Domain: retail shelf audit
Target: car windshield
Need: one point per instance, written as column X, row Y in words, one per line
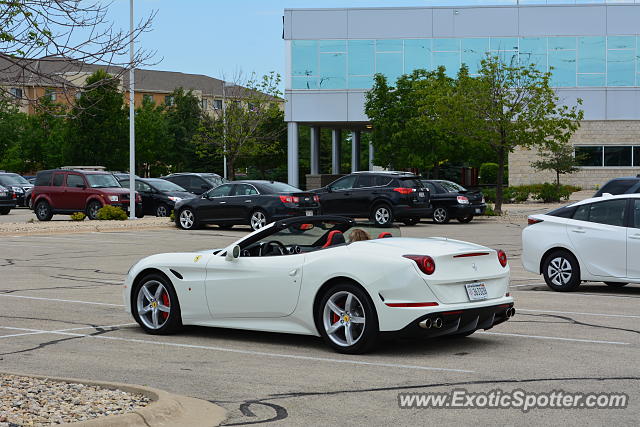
column 8, row 180
column 164, row 185
column 212, row 179
column 20, row 179
column 102, row 181
column 280, row 187
column 452, row 187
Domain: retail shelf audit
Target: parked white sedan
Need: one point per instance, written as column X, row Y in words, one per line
column 316, row 276
column 595, row 240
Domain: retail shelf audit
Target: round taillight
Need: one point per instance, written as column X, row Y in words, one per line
column 502, row 257
column 426, row 264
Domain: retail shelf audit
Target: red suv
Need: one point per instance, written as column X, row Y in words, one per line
column 62, row 191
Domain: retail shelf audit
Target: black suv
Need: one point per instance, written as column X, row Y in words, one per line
column 381, row 196
column 626, row 185
column 196, row 183
column 18, row 184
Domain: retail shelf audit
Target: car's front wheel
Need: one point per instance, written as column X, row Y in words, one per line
column 93, row 208
column 155, row 305
column 187, row 219
column 441, row 215
column 382, row 215
column 561, row 271
column 5, row 211
column 43, row 211
column 347, row 320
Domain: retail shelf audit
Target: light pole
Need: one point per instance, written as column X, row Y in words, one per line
column 132, row 126
column 224, row 124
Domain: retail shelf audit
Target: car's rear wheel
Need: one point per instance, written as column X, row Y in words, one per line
column 346, row 319
column 43, row 210
column 465, row 219
column 258, row 219
column 92, row 209
column 382, row 214
column 411, row 221
column 155, row 305
column 5, row 211
column 441, row 215
column 615, row 284
column 561, row 271
column 162, row 210
column 187, row 219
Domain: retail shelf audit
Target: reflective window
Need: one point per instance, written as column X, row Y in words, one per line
column 361, row 57
column 617, row 156
column 344, row 183
column 417, row 55
column 636, row 156
column 449, row 60
column 636, row 214
column 589, row 156
column 244, row 190
column 592, row 52
column 220, row 191
column 389, row 59
column 610, row 212
column 58, row 180
column 620, row 67
column 473, row 52
column 304, row 57
column 75, row 180
column 333, row 70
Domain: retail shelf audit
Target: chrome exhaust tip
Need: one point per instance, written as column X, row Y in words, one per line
column 425, row 324
column 437, row 323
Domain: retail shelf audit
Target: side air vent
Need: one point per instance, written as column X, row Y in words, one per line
column 175, row 273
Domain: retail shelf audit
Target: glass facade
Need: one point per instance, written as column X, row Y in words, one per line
column 576, row 61
column 608, row 155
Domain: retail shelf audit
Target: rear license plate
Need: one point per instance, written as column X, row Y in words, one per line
column 309, row 213
column 476, row 291
column 421, row 194
column 478, row 210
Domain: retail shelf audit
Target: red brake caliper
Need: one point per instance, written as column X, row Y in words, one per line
column 166, row 303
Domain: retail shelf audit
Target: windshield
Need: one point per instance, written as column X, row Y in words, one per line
column 280, row 187
column 452, row 187
column 213, row 179
column 8, row 180
column 102, row 181
column 163, row 185
column 20, row 179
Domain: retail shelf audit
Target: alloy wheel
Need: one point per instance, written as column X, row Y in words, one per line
column 382, row 215
column 94, row 207
column 161, row 211
column 440, row 215
column 344, row 319
column 43, row 210
column 559, row 271
column 187, row 219
column 258, row 220
column 153, row 304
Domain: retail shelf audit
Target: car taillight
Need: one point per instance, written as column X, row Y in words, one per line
column 14, row 196
column 403, row 190
column 316, row 198
column 426, row 264
column 463, row 200
column 532, row 221
column 502, row 257
column 289, row 199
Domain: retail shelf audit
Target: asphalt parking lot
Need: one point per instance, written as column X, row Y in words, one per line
column 61, row 314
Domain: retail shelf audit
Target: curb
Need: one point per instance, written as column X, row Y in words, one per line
column 165, row 409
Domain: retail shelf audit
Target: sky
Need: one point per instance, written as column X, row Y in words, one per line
column 221, row 38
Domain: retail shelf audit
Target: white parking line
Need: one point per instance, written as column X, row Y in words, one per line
column 247, row 352
column 62, row 300
column 39, row 331
column 544, row 337
column 628, row 316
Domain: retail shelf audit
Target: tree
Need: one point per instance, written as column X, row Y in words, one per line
column 184, row 117
column 12, row 123
column 98, row 127
column 152, row 139
column 70, row 34
column 511, row 106
column 243, row 130
column 557, row 157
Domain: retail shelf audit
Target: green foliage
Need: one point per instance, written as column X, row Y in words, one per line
column 78, row 216
column 172, row 216
column 183, row 118
column 488, row 173
column 557, row 157
column 550, row 193
column 109, row 212
column 153, row 139
column 489, row 211
column 522, row 193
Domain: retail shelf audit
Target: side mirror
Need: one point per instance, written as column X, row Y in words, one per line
column 233, row 254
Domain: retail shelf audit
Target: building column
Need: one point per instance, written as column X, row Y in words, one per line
column 371, row 156
column 336, row 151
column 355, row 151
column 315, row 150
column 292, row 154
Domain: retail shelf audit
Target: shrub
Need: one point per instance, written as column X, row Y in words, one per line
column 552, row 193
column 489, row 173
column 108, row 212
column 172, row 216
column 490, row 212
column 78, row 216
column 489, row 195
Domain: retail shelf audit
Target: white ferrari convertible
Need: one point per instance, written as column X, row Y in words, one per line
column 325, row 276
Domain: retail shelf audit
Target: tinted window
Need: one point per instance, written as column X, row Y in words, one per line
column 589, row 156
column 75, row 181
column 278, row 187
column 636, row 214
column 619, row 186
column 610, row 212
column 43, row 178
column 221, row 191
column 364, row 181
column 452, row 187
column 344, row 183
column 19, row 179
column 140, row 186
column 8, row 180
column 244, row 190
column 58, row 179
column 213, row 179
column 103, row 181
column 430, row 186
column 164, row 185
column 381, row 181
column 198, row 183
column 410, row 183
column 563, row 212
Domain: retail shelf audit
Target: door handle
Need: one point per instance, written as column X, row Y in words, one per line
column 247, row 201
column 293, row 272
column 222, row 203
column 578, row 230
column 635, row 237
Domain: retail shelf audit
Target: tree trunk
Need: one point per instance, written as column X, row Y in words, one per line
column 558, row 179
column 500, row 179
column 230, row 169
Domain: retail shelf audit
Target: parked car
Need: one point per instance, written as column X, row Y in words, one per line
column 626, row 185
column 18, row 184
column 384, row 197
column 62, row 191
column 299, row 275
column 120, row 176
column 595, row 240
column 7, row 200
column 256, row 203
column 196, row 183
column 159, row 196
column 451, row 200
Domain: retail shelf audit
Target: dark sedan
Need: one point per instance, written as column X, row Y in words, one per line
column 18, row 184
column 450, row 200
column 256, row 203
column 158, row 195
column 7, row 200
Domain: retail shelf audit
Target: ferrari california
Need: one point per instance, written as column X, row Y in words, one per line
column 326, row 276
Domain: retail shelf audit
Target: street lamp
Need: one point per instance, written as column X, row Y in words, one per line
column 224, row 123
column 132, row 127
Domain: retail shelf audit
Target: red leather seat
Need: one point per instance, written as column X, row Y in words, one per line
column 335, row 237
column 384, row 234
